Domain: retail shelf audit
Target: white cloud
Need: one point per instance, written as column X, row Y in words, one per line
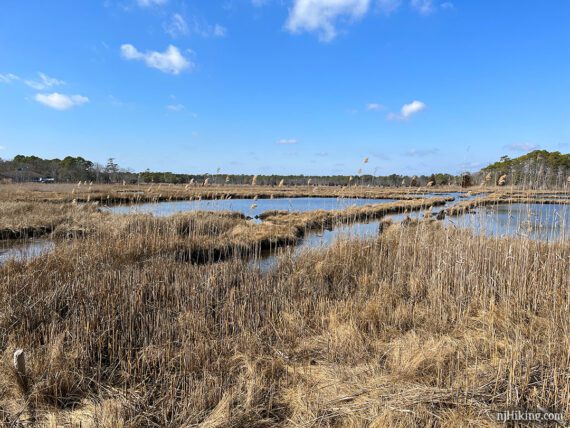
column 177, row 26
column 521, row 147
column 8, row 78
column 412, row 108
column 407, row 111
column 2, row 148
column 170, row 61
column 148, row 3
column 321, row 16
column 374, row 107
column 287, row 141
column 44, row 82
column 175, row 107
column 60, row 101
column 447, row 5
column 425, row 7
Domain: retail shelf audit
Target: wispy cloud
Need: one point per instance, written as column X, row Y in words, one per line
column 44, row 82
column 204, row 29
column 219, row 31
column 381, row 156
column 407, row 111
column 421, row 153
column 149, row 3
column 60, row 101
column 170, row 61
column 287, row 141
column 8, row 78
column 175, row 107
column 425, row 7
column 375, row 107
column 322, row 16
column 521, row 147
column 2, row 148
column 471, row 166
column 388, row 7
column 176, row 26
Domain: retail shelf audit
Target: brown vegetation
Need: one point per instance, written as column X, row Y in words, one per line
column 118, row 194
column 128, row 326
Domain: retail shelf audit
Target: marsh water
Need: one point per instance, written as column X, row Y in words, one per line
column 24, row 250
column 547, row 222
column 248, row 207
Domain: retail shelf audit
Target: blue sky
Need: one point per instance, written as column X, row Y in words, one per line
column 285, row 86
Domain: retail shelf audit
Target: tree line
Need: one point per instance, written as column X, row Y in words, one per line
column 537, row 169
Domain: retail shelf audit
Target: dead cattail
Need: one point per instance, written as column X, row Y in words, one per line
column 227, row 179
column 310, row 180
column 191, row 181
column 403, row 182
column 488, row 178
column 206, row 181
column 430, row 184
column 502, row 180
column 254, row 180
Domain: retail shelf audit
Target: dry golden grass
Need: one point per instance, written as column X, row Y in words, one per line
column 196, row 236
column 119, row 194
column 127, row 326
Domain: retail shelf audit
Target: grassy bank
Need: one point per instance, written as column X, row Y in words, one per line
column 113, row 194
column 21, row 220
column 422, row 326
column 499, row 198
